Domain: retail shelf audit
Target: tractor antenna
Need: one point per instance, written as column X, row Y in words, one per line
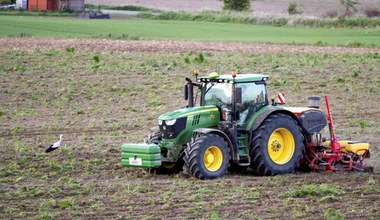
column 217, row 68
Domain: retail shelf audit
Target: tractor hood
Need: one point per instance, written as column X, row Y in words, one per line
column 181, row 123
column 211, row 110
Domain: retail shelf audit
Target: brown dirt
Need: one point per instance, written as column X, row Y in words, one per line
column 85, row 179
column 170, row 46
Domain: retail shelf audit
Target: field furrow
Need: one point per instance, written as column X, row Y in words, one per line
column 105, row 93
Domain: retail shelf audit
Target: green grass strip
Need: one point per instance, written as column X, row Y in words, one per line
column 184, row 30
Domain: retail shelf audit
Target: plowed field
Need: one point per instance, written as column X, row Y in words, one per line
column 102, row 93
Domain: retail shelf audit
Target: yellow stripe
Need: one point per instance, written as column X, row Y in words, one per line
column 193, row 113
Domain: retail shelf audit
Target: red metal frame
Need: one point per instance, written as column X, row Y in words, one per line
column 335, row 146
column 334, row 159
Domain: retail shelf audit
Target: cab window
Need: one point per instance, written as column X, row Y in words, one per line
column 253, row 98
column 218, row 94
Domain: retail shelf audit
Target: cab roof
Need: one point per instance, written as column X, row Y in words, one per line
column 240, row 78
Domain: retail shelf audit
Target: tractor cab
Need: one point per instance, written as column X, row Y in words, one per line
column 237, row 97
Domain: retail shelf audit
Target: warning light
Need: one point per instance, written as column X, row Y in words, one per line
column 213, row 75
column 196, row 72
column 234, row 74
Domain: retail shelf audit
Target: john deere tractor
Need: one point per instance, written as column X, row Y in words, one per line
column 229, row 124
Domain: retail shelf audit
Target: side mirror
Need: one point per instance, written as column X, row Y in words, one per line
column 238, row 96
column 186, row 91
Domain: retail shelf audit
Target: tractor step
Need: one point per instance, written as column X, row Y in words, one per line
column 244, row 164
column 244, row 161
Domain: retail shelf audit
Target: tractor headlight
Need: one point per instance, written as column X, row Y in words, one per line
column 170, row 122
column 171, row 128
column 159, row 122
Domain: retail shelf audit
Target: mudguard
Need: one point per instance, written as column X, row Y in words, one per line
column 268, row 111
column 233, row 151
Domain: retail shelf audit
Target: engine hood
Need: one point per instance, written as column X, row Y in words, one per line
column 180, row 113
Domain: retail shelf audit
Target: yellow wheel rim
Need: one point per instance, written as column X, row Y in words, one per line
column 281, row 146
column 213, row 158
column 169, row 165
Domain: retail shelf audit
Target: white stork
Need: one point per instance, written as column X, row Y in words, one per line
column 55, row 145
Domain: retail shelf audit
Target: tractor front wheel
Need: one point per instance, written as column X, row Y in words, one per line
column 168, row 168
column 277, row 146
column 207, row 157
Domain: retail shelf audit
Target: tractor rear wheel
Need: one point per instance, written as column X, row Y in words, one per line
column 277, row 146
column 207, row 157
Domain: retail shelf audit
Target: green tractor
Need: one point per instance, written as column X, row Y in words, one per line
column 229, row 124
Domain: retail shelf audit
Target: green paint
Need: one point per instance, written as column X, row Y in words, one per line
column 187, row 112
column 197, row 117
column 254, row 117
column 141, row 155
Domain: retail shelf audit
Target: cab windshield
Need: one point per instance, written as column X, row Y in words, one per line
column 218, row 94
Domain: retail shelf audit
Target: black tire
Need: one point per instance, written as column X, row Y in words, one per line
column 195, row 153
column 268, row 159
column 168, row 168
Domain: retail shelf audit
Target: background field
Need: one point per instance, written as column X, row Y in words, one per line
column 308, row 7
column 186, row 30
column 103, row 98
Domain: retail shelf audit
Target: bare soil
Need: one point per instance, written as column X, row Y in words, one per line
column 171, row 46
column 109, row 92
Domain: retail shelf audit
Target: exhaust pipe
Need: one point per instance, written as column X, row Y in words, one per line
column 189, row 96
